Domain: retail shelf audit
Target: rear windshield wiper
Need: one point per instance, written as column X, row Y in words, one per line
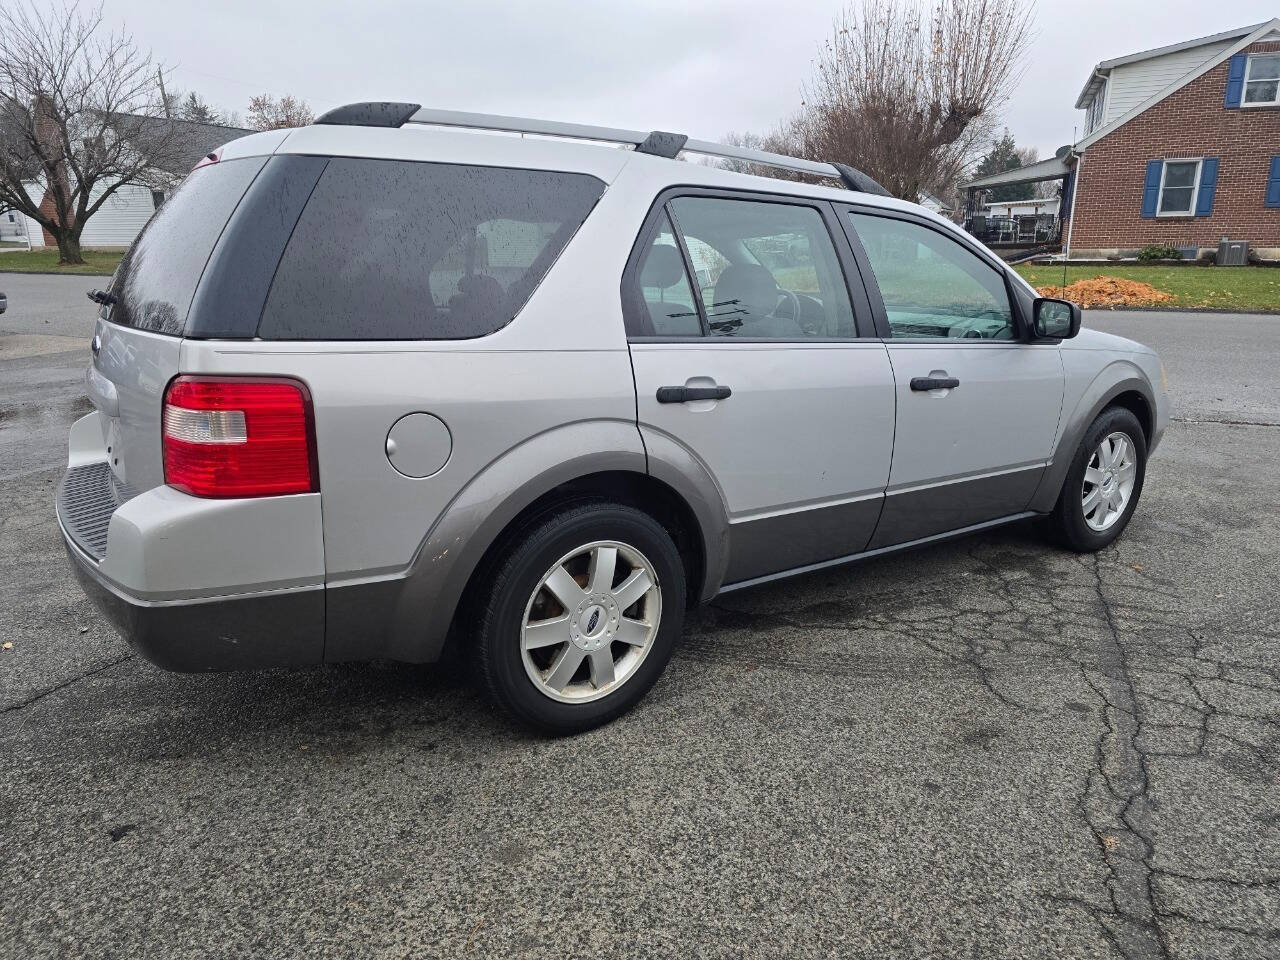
column 103, row 297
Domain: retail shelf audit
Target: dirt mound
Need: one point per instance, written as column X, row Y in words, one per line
column 1109, row 292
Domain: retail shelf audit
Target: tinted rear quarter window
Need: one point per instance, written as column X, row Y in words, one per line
column 403, row 250
column 157, row 277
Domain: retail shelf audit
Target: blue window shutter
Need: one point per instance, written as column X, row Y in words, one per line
column 1273, row 183
column 1151, row 189
column 1208, row 184
column 1235, row 81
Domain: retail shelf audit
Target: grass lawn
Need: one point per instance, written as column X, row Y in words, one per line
column 1228, row 288
column 45, row 260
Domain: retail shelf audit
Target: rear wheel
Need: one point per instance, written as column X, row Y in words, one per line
column 1103, row 484
column 581, row 616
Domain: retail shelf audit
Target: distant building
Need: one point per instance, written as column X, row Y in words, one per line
column 934, row 205
column 126, row 212
column 1181, row 147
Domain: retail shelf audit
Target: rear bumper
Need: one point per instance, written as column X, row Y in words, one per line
column 280, row 628
column 195, row 584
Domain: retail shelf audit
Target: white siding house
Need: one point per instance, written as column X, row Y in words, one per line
column 17, row 227
column 117, row 222
column 1117, row 86
column 120, row 218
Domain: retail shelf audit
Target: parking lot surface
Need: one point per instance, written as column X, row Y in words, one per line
column 988, row 748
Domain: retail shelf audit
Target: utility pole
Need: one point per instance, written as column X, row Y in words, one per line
column 164, row 97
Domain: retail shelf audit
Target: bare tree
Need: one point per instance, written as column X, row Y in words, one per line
column 779, row 141
column 81, row 115
column 268, row 113
column 909, row 95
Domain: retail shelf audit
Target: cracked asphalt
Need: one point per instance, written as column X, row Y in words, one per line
column 984, row 749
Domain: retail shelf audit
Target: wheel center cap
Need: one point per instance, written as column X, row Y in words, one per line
column 1108, row 479
column 594, row 622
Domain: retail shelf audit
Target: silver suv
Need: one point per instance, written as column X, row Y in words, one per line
column 386, row 381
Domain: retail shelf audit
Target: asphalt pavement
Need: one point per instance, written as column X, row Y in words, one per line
column 984, row 749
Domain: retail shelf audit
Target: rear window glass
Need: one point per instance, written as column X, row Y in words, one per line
column 157, row 277
column 402, row 250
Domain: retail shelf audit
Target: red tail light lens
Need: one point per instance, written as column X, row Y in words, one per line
column 239, row 437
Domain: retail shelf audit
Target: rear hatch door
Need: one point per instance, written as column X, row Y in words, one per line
column 138, row 340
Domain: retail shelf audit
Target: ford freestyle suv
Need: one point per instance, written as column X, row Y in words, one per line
column 390, row 379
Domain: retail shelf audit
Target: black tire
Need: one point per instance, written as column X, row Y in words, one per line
column 501, row 610
column 1067, row 523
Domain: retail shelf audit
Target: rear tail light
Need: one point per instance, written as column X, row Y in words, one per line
column 239, row 437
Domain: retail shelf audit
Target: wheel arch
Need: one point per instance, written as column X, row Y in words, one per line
column 1120, row 384
column 409, row 616
column 1137, row 404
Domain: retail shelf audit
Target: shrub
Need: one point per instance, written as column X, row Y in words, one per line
column 1159, row 252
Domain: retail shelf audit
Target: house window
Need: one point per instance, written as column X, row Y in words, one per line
column 157, row 198
column 1178, row 184
column 1262, row 81
column 1093, row 116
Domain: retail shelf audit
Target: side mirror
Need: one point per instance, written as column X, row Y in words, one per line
column 1055, row 319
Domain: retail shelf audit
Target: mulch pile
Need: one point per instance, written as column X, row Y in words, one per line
column 1109, row 292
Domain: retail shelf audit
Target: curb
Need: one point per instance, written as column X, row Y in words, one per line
column 48, row 273
column 1167, row 309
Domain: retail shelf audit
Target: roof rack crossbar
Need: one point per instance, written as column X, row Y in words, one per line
column 762, row 157
column 543, row 128
column 655, row 142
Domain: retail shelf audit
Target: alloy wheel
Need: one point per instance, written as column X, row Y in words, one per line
column 1109, row 479
column 590, row 622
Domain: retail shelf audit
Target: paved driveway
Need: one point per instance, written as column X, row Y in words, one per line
column 983, row 749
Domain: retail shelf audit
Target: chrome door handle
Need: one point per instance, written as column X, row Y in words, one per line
column 934, row 383
column 686, row 394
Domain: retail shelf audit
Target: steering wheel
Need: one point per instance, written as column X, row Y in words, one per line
column 785, row 294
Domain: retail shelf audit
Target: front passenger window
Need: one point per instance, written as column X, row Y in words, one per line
column 931, row 285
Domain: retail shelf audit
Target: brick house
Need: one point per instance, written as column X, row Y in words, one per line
column 1181, row 147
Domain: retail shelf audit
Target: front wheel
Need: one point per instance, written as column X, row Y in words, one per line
column 1103, row 484
column 581, row 616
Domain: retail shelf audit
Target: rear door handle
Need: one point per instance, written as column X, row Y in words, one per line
column 934, row 383
column 686, row 394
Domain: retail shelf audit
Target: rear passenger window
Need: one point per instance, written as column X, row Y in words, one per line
column 764, row 270
column 398, row 250
column 668, row 297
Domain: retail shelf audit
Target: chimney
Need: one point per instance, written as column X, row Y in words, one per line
column 52, row 146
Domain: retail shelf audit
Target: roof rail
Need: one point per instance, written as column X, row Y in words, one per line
column 378, row 113
column 655, row 142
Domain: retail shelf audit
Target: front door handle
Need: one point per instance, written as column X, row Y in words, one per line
column 934, row 383
column 686, row 394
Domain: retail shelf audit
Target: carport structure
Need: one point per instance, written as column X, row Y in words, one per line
column 1060, row 167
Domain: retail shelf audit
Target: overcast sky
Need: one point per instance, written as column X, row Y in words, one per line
column 701, row 67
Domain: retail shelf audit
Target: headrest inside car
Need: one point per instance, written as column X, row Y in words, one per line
column 663, row 267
